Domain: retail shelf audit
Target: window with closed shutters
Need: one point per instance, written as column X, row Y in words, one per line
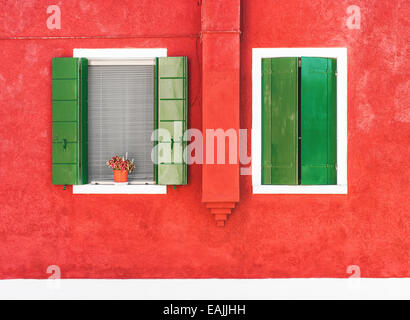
column 299, row 90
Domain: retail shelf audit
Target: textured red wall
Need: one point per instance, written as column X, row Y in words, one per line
column 173, row 235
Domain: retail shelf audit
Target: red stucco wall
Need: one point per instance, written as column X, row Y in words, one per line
column 174, row 235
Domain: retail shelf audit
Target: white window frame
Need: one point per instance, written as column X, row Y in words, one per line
column 127, row 54
column 341, row 55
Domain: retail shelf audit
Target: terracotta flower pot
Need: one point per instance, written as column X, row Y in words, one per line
column 120, row 175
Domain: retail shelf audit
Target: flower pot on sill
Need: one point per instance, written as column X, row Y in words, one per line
column 120, row 175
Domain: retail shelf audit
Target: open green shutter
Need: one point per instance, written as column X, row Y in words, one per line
column 318, row 117
column 172, row 117
column 280, row 121
column 70, row 136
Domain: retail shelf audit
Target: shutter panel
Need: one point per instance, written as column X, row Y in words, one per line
column 172, row 118
column 70, row 135
column 280, row 121
column 318, row 117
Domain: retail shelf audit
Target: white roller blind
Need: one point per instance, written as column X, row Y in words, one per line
column 120, row 119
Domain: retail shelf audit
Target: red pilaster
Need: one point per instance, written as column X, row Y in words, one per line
column 220, row 100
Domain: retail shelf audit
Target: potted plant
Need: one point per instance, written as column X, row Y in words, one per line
column 120, row 167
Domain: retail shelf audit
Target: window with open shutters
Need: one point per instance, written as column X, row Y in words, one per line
column 299, row 121
column 107, row 107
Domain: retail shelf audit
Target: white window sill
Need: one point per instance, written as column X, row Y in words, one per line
column 281, row 189
column 119, row 189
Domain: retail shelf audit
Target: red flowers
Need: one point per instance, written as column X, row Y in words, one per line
column 119, row 163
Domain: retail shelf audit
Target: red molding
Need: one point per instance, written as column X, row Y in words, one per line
column 220, row 100
column 221, row 211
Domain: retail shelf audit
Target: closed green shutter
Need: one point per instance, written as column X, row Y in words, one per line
column 70, row 91
column 280, row 121
column 173, row 118
column 318, row 117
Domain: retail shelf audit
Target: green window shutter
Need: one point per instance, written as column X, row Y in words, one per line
column 318, row 121
column 280, row 121
column 70, row 136
column 173, row 117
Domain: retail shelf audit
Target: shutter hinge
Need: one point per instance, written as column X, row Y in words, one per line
column 335, row 74
column 299, row 62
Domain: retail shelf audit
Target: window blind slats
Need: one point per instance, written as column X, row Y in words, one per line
column 120, row 119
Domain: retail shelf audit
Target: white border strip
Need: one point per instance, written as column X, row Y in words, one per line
column 120, row 54
column 341, row 55
column 210, row 289
column 299, row 189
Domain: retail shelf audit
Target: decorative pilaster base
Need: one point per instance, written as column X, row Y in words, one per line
column 221, row 211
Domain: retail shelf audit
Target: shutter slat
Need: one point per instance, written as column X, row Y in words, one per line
column 172, row 117
column 280, row 116
column 69, row 151
column 84, row 121
column 318, row 127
